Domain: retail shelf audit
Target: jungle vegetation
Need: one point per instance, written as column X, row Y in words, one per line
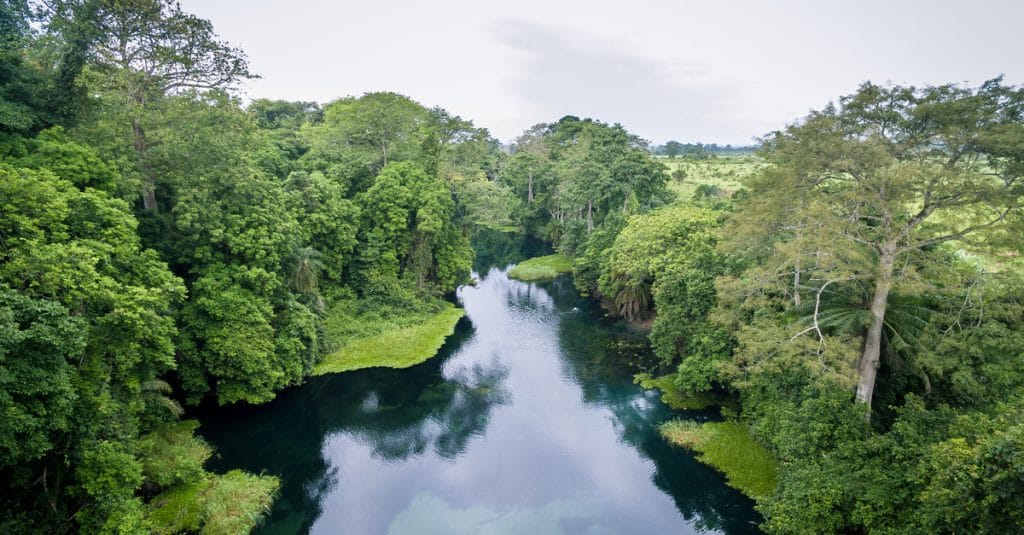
column 856, row 285
column 161, row 244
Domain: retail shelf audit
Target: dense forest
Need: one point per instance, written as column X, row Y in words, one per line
column 162, row 244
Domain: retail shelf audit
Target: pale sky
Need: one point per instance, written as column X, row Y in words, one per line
column 711, row 71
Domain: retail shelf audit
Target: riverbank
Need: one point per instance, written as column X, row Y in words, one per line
column 729, row 448
column 536, row 394
column 397, row 343
column 541, row 268
column 675, row 397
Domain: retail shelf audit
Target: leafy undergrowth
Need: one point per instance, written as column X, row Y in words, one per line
column 541, row 268
column 729, row 448
column 395, row 342
column 673, row 396
column 193, row 499
column 226, row 504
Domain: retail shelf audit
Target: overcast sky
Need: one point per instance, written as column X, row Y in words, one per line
column 712, row 71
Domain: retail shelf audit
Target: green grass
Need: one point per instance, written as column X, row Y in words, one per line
column 234, row 502
column 395, row 345
column 729, row 448
column 673, row 396
column 541, row 267
column 722, row 172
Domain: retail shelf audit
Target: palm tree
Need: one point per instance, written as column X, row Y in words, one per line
column 307, row 269
column 158, row 391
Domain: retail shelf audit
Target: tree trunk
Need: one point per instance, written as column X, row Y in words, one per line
column 148, row 180
column 529, row 188
column 870, row 360
column 590, row 216
column 796, row 282
column 796, row 270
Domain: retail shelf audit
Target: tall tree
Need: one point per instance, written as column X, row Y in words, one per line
column 893, row 172
column 144, row 50
column 360, row 136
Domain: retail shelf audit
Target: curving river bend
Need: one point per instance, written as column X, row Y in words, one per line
column 526, row 422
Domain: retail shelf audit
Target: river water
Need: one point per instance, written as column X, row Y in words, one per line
column 527, row 422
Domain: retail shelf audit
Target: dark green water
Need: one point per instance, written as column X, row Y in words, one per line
column 526, row 422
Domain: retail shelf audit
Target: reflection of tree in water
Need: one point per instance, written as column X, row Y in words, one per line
column 397, row 413
column 445, row 415
column 499, row 249
column 595, row 356
column 526, row 297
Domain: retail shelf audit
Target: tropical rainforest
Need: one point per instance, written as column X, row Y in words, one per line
column 162, row 243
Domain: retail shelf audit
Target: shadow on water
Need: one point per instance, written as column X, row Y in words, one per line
column 496, row 249
column 526, row 422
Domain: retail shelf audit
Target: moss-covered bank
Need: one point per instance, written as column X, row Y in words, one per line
column 395, row 345
column 728, row 447
column 541, row 268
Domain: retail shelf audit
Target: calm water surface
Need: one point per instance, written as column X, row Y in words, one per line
column 527, row 422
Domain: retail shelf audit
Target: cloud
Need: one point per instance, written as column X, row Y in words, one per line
column 559, row 72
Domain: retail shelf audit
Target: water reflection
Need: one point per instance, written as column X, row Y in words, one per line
column 527, row 422
column 386, row 415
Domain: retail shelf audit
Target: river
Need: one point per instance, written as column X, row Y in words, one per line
column 526, row 422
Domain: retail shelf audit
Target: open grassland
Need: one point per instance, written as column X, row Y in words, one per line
column 728, row 447
column 722, row 172
column 541, row 268
column 394, row 343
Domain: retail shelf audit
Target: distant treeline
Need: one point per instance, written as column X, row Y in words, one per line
column 699, row 151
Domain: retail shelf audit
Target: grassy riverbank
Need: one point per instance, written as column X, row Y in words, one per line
column 541, row 268
column 396, row 342
column 728, row 447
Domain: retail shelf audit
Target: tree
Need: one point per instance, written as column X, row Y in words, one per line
column 407, row 231
column 86, row 319
column 328, row 222
column 585, row 171
column 360, row 136
column 144, row 50
column 892, row 172
column 673, row 149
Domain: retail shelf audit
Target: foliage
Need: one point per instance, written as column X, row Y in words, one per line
column 141, row 51
column 676, row 237
column 187, row 498
column 98, row 305
column 575, row 173
column 227, row 504
column 853, row 283
column 250, row 222
column 39, row 342
column 953, row 473
column 869, row 245
column 407, row 231
column 359, row 136
column 863, row 191
column 173, row 455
